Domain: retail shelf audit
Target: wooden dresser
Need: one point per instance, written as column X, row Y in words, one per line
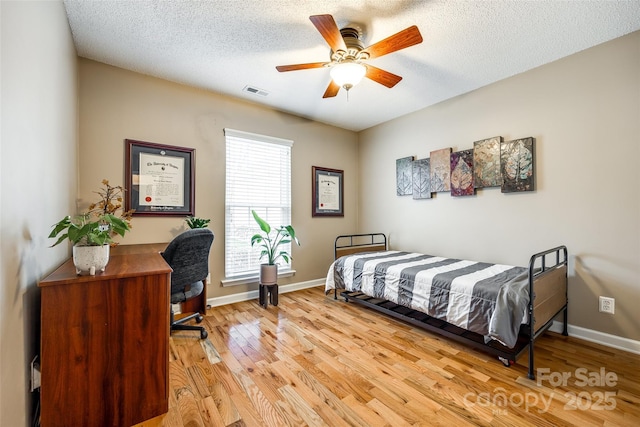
column 105, row 343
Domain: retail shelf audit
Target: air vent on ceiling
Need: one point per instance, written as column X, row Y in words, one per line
column 255, row 90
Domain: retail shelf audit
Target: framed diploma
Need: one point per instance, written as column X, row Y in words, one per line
column 159, row 179
column 327, row 189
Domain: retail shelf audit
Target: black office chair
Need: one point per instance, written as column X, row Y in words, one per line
column 188, row 255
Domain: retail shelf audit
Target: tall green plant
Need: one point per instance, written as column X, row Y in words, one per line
column 271, row 238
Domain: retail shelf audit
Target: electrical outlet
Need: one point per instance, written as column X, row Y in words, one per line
column 607, row 305
column 35, row 374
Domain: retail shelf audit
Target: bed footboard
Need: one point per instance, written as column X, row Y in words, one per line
column 547, row 294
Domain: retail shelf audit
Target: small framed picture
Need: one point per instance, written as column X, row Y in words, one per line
column 160, row 179
column 327, row 188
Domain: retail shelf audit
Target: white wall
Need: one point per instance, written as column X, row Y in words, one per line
column 38, row 186
column 584, row 112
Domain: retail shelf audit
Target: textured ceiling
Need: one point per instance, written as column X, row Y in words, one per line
column 225, row 45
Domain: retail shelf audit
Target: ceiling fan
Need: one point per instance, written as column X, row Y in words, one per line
column 348, row 55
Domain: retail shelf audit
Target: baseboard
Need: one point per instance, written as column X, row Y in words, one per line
column 603, row 338
column 246, row 296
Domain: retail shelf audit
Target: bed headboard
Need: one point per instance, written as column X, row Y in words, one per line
column 348, row 244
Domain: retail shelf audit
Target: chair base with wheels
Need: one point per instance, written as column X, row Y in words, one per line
column 178, row 325
column 185, row 294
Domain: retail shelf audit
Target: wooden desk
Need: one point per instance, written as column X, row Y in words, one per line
column 105, row 343
column 197, row 304
column 142, row 248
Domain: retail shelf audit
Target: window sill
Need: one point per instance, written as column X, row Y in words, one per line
column 250, row 280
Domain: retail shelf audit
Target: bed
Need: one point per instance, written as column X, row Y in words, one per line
column 484, row 305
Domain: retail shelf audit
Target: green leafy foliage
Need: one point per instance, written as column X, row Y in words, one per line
column 270, row 242
column 81, row 230
column 99, row 225
column 194, row 222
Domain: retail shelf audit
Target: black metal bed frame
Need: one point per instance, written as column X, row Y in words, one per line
column 538, row 267
column 373, row 239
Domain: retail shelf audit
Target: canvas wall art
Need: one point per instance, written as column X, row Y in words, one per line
column 462, row 173
column 440, row 170
column 486, row 163
column 517, row 165
column 404, row 176
column 422, row 179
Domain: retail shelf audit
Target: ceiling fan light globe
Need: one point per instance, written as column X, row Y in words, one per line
column 347, row 74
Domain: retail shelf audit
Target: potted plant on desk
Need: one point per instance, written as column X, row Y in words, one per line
column 92, row 232
column 270, row 244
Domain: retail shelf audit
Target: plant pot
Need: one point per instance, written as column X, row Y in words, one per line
column 90, row 259
column 268, row 274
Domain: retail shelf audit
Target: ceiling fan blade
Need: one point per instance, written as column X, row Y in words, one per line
column 295, row 67
column 383, row 77
column 405, row 38
column 332, row 90
column 327, row 26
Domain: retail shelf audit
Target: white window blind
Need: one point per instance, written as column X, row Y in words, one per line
column 258, row 177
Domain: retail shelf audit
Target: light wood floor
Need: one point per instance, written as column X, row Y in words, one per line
column 319, row 362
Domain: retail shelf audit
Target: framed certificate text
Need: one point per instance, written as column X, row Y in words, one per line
column 159, row 179
column 327, row 191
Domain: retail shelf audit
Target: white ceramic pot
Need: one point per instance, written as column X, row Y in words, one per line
column 268, row 274
column 90, row 259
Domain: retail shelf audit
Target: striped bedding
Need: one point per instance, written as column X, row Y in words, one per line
column 489, row 299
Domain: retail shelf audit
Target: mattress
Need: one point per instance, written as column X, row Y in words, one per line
column 488, row 299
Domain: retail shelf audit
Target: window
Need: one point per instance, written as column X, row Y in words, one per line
column 258, row 177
